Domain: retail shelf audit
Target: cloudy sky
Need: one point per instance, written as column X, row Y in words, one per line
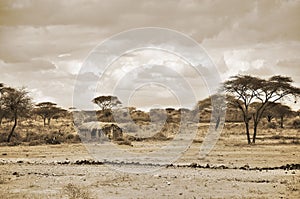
column 43, row 44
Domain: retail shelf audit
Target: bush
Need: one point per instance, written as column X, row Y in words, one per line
column 53, row 138
column 124, row 142
column 159, row 136
column 3, row 137
column 15, row 139
column 296, row 123
column 276, row 137
column 31, row 136
column 36, row 142
column 271, row 125
column 70, row 137
column 74, row 191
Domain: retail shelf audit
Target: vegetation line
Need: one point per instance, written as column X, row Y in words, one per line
column 291, row 166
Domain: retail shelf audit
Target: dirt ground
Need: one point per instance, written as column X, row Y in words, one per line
column 234, row 170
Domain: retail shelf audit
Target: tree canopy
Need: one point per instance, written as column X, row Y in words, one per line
column 17, row 103
column 107, row 102
column 48, row 110
column 246, row 89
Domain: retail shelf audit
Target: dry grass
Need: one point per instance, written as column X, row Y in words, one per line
column 293, row 185
column 73, row 191
column 35, row 133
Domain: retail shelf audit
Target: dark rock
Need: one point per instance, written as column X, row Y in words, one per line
column 193, row 165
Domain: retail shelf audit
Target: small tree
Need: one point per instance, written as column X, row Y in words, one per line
column 48, row 110
column 17, row 103
column 281, row 111
column 216, row 104
column 247, row 89
column 106, row 102
column 274, row 110
column 269, row 112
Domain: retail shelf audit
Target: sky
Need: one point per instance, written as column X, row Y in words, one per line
column 44, row 46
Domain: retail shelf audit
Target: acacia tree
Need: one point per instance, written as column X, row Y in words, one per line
column 216, row 103
column 242, row 88
column 17, row 103
column 275, row 110
column 48, row 110
column 106, row 102
column 269, row 113
column 280, row 110
column 247, row 89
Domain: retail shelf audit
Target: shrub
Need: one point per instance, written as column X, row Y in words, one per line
column 159, row 136
column 3, row 137
column 124, row 142
column 52, row 139
column 15, row 139
column 296, row 123
column 74, row 192
column 69, row 137
column 36, row 142
column 276, row 137
column 31, row 136
column 271, row 125
column 130, row 138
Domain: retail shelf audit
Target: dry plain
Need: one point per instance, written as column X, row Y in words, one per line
column 233, row 169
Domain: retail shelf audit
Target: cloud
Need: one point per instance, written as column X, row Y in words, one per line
column 44, row 43
column 24, row 67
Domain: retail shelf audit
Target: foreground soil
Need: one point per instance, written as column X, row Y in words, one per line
column 233, row 169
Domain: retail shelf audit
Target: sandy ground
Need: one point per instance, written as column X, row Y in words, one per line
column 35, row 172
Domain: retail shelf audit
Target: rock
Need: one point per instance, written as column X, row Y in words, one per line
column 193, row 165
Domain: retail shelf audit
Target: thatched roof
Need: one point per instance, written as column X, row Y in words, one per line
column 93, row 125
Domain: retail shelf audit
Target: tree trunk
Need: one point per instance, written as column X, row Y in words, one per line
column 1, row 120
column 269, row 118
column 49, row 119
column 281, row 121
column 248, row 133
column 254, row 131
column 217, row 123
column 13, row 128
column 44, row 121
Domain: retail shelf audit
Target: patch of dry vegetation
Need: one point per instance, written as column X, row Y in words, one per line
column 73, row 191
column 35, row 133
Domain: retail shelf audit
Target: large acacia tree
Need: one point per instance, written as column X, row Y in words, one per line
column 106, row 102
column 17, row 103
column 247, row 89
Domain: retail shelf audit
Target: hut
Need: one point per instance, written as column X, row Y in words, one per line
column 100, row 131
